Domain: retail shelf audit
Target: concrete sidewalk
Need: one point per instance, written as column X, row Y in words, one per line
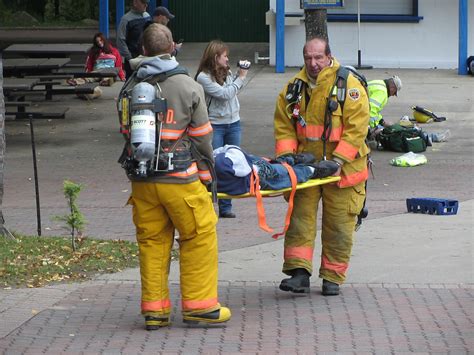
column 410, row 289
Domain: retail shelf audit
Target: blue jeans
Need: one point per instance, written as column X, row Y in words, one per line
column 276, row 177
column 226, row 134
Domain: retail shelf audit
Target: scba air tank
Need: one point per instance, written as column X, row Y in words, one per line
column 143, row 126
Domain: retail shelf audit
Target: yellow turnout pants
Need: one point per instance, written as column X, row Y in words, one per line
column 157, row 210
column 340, row 208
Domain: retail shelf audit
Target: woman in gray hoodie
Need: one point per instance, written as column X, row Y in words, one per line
column 221, row 89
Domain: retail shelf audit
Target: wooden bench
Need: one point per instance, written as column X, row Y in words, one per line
column 17, row 103
column 16, row 90
column 21, row 113
column 48, row 87
column 87, row 88
column 50, row 90
column 103, row 73
column 50, row 77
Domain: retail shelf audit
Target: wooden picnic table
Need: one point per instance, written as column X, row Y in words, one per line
column 28, row 66
column 15, row 84
column 16, row 89
column 50, row 50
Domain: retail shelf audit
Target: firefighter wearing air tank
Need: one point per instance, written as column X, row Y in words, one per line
column 323, row 127
column 168, row 158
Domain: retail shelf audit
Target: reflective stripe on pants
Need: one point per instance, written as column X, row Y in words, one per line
column 340, row 208
column 157, row 210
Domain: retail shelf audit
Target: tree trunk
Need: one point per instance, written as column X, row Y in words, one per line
column 3, row 230
column 316, row 23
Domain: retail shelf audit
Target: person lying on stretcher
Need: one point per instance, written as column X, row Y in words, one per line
column 234, row 166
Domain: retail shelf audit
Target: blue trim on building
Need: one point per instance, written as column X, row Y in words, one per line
column 373, row 18
column 280, row 37
column 463, row 37
column 364, row 18
column 104, row 17
column 119, row 12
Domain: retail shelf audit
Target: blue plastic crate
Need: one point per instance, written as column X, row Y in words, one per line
column 432, row 206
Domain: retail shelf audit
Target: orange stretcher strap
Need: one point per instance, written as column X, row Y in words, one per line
column 259, row 194
column 255, row 190
column 289, row 211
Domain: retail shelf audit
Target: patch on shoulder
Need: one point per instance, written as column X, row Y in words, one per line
column 354, row 94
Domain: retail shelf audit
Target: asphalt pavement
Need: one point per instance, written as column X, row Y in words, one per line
column 410, row 282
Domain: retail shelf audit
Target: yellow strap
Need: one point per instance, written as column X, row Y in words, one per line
column 274, row 193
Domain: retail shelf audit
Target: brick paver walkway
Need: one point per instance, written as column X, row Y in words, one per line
column 103, row 317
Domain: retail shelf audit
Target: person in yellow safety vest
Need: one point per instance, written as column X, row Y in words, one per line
column 379, row 92
column 165, row 201
column 344, row 130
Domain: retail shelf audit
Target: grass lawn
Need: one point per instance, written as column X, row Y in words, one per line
column 39, row 261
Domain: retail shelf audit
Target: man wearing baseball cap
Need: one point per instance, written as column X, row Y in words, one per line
column 162, row 16
column 379, row 92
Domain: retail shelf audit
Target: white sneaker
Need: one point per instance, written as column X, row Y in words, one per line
column 441, row 137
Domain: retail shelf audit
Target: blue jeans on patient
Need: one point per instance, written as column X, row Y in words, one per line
column 276, row 177
column 226, row 134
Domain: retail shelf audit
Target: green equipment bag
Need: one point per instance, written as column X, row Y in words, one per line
column 402, row 139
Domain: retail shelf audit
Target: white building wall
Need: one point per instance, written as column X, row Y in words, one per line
column 430, row 43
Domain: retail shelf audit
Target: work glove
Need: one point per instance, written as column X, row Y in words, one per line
column 287, row 158
column 293, row 159
column 324, row 168
column 304, row 158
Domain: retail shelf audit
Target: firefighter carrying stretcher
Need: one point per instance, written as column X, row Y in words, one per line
column 314, row 114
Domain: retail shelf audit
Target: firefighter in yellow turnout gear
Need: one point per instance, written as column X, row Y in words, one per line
column 174, row 197
column 319, row 117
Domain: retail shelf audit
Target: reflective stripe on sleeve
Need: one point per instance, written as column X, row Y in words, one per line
column 204, row 175
column 200, row 131
column 171, row 134
column 346, row 150
column 353, row 179
column 375, row 102
column 283, row 146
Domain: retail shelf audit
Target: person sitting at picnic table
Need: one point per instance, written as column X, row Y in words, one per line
column 102, row 55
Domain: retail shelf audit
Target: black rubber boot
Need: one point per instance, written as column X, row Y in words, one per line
column 297, row 283
column 330, row 288
column 155, row 323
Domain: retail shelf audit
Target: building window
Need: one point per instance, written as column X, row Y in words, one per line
column 376, row 11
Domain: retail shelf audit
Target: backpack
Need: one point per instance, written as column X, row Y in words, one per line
column 402, row 139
